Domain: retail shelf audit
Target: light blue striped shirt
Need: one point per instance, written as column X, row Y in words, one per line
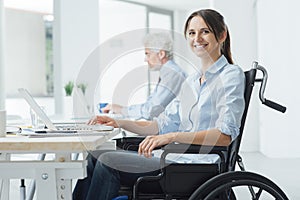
column 217, row 103
column 171, row 79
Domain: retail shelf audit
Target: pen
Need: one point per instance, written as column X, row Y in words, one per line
column 54, row 131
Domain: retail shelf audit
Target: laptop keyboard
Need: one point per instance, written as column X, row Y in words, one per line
column 84, row 127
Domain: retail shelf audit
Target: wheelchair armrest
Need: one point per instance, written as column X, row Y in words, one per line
column 194, row 149
column 131, row 140
column 129, row 143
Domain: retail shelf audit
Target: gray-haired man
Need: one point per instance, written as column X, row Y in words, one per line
column 159, row 56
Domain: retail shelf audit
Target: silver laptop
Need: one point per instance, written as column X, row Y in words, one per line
column 51, row 128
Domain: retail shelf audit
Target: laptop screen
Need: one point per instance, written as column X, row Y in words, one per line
column 37, row 109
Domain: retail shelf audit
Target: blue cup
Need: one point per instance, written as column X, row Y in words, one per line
column 100, row 106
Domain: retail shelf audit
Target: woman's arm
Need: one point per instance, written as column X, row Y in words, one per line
column 140, row 127
column 208, row 137
column 212, row 137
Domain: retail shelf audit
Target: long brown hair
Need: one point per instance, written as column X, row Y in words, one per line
column 216, row 24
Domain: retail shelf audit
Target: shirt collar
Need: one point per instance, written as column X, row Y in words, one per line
column 216, row 67
column 213, row 69
column 164, row 68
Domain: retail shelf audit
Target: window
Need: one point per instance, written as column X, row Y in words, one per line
column 158, row 19
column 127, row 75
column 48, row 19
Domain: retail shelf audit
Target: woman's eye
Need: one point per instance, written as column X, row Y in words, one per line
column 191, row 34
column 205, row 31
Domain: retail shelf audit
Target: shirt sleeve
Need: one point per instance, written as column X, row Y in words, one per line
column 156, row 103
column 169, row 120
column 230, row 106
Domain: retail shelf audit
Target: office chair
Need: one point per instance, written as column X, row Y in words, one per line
column 206, row 181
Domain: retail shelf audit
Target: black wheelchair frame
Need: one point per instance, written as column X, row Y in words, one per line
column 207, row 181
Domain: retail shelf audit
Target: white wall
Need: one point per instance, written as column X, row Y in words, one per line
column 278, row 39
column 121, row 53
column 2, row 69
column 267, row 31
column 79, row 34
column 242, row 24
column 25, row 52
column 76, row 35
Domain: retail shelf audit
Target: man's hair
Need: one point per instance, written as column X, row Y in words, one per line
column 160, row 41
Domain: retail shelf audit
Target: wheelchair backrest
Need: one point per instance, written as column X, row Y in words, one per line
column 235, row 145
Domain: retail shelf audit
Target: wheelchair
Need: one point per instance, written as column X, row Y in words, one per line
column 208, row 181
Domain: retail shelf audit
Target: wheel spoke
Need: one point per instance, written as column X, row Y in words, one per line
column 252, row 192
column 259, row 193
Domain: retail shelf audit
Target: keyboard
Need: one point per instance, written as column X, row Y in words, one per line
column 63, row 133
column 84, row 127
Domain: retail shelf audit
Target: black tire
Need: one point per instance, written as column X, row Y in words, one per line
column 220, row 184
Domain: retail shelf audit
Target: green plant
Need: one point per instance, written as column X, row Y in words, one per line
column 69, row 88
column 82, row 86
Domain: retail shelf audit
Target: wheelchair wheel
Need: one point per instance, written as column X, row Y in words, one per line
column 238, row 185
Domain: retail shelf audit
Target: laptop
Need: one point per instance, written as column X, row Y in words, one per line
column 62, row 128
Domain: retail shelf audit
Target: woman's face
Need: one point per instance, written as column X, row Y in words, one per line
column 201, row 40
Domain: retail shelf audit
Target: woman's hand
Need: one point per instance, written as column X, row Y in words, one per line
column 103, row 120
column 151, row 142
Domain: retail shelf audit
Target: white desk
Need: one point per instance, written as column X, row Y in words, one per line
column 53, row 178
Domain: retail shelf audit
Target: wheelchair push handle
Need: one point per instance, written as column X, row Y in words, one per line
column 263, row 82
column 274, row 105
